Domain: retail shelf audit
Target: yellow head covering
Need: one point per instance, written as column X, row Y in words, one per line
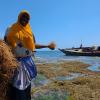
column 23, row 34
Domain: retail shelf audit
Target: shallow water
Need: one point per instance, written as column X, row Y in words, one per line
column 40, row 94
column 50, row 95
column 93, row 61
column 40, row 80
column 94, row 67
column 69, row 77
column 56, row 56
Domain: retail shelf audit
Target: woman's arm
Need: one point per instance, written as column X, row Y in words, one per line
column 50, row 46
column 39, row 46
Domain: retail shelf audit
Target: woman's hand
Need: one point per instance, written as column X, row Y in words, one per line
column 52, row 46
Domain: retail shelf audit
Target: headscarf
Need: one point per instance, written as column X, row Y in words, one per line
column 23, row 34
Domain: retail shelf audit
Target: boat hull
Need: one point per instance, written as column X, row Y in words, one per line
column 71, row 53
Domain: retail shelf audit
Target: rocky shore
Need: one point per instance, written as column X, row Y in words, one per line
column 69, row 77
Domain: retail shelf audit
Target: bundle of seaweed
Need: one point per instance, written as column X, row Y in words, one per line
column 8, row 65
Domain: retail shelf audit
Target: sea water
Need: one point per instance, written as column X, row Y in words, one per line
column 56, row 55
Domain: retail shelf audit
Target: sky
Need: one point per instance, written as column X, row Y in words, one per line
column 68, row 23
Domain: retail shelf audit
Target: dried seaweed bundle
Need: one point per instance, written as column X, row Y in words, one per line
column 8, row 64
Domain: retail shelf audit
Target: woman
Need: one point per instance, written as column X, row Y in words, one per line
column 22, row 41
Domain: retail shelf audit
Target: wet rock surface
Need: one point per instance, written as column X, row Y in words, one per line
column 66, row 77
column 50, row 94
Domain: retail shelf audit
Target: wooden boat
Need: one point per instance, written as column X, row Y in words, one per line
column 82, row 51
